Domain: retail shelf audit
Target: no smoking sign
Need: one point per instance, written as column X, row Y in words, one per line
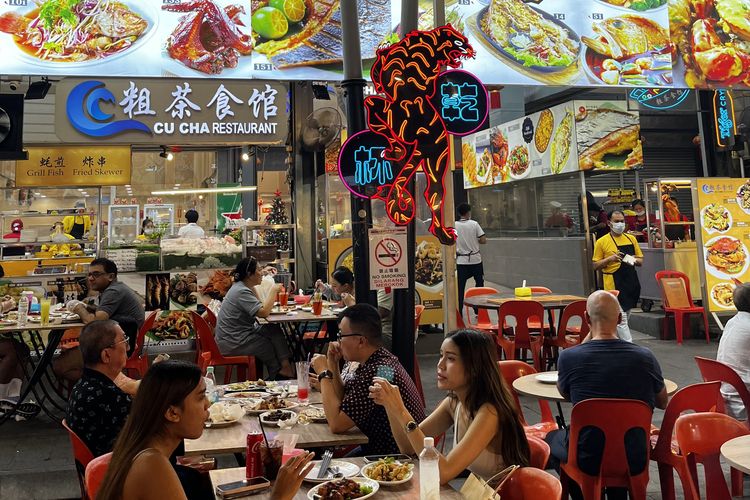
column 387, row 263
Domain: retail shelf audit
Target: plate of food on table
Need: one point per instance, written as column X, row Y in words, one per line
column 348, row 488
column 389, row 471
column 273, row 403
column 628, row 50
column 336, row 467
column 224, row 414
column 281, row 418
column 312, row 414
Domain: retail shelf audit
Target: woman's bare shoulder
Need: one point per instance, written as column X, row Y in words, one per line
column 152, row 476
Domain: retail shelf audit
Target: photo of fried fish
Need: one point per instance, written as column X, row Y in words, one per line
column 605, row 131
column 529, row 36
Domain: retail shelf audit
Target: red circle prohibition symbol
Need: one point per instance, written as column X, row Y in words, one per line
column 388, row 252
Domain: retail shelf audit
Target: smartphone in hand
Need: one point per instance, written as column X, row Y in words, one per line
column 386, row 373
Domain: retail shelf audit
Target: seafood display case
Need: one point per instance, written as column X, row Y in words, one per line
column 163, row 216
column 672, row 239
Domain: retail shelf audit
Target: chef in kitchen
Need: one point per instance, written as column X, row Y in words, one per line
column 79, row 224
column 616, row 255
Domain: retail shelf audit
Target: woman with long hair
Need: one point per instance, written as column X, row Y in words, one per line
column 342, row 281
column 171, row 406
column 487, row 429
column 238, row 332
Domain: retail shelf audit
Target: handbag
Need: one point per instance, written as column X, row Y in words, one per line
column 476, row 488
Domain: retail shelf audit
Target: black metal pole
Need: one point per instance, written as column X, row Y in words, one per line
column 403, row 299
column 353, row 85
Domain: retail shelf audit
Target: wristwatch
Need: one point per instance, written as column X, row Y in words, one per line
column 411, row 426
column 325, row 374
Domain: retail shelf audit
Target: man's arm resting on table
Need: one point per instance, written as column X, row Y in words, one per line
column 87, row 316
column 338, row 421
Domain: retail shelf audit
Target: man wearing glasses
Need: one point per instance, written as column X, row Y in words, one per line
column 346, row 398
column 116, row 300
column 98, row 408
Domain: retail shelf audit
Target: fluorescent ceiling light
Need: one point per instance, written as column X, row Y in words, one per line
column 205, row 190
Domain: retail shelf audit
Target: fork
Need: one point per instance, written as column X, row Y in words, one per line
column 325, row 463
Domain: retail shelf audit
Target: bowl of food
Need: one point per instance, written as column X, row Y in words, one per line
column 224, row 414
column 281, row 418
column 389, row 471
column 359, row 487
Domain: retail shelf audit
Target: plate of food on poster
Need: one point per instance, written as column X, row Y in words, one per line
column 712, row 42
column 172, row 325
column 635, row 5
column 217, row 285
column 157, row 291
column 518, row 162
column 183, row 288
column 628, row 49
column 743, row 197
column 528, row 37
column 608, row 136
column 726, row 257
column 722, row 294
column 562, row 143
column 716, row 218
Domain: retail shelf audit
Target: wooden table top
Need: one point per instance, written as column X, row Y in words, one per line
column 39, row 326
column 300, row 316
column 528, row 385
column 406, row 491
column 233, row 439
column 549, row 301
column 737, row 452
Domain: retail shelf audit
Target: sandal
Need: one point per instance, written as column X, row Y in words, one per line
column 26, row 410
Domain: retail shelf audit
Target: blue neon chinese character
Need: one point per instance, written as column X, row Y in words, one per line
column 459, row 102
column 371, row 167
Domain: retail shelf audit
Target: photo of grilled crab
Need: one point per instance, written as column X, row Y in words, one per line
column 712, row 38
column 626, row 36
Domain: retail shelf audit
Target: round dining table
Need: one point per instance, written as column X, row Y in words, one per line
column 737, row 453
column 531, row 385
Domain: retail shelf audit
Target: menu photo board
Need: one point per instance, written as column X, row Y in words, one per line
column 725, row 230
column 533, row 146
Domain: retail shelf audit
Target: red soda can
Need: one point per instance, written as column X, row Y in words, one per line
column 253, row 462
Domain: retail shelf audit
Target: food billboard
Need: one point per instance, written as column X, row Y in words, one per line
column 725, row 230
column 639, row 43
column 578, row 135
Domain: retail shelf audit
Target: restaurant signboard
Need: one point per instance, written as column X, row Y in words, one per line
column 725, row 229
column 75, row 166
column 169, row 111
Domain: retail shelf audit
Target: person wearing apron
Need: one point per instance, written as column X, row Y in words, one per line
column 616, row 255
column 79, row 224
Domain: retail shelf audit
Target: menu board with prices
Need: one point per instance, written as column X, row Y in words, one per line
column 124, row 258
column 725, row 229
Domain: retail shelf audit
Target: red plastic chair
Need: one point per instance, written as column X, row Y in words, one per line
column 535, row 325
column 540, row 452
column 566, row 335
column 522, row 311
column 513, row 369
column 95, row 472
column 459, row 320
column 483, row 315
column 614, row 470
column 664, row 449
column 82, row 456
column 210, row 318
column 204, row 361
column 528, row 483
column 206, row 343
column 712, row 370
column 138, row 360
column 700, row 436
column 679, row 313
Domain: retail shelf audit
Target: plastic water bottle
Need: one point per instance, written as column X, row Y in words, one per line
column 23, row 310
column 211, row 392
column 429, row 471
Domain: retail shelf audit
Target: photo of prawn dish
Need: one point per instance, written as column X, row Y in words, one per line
column 743, row 197
column 208, row 38
column 77, row 31
column 528, row 36
column 518, row 162
column 628, row 50
column 636, row 5
column 712, row 39
column 716, row 218
column 722, row 294
column 725, row 257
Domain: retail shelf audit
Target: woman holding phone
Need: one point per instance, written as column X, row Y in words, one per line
column 487, row 429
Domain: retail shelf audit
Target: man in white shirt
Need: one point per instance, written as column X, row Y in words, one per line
column 469, row 235
column 191, row 229
column 734, row 350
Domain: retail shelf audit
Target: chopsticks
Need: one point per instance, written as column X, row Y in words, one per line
column 325, row 463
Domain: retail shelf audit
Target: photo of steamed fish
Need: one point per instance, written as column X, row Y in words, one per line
column 529, row 36
column 628, row 50
column 75, row 31
column 316, row 38
column 608, row 138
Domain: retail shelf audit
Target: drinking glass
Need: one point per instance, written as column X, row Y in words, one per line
column 317, row 307
column 44, row 308
column 303, row 382
column 283, row 299
column 271, row 456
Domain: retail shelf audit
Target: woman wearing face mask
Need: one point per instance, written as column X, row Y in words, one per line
column 148, row 230
column 616, row 255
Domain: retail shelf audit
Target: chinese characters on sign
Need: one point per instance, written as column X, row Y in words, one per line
column 163, row 111
column 726, row 128
column 75, row 166
column 659, row 99
column 388, row 268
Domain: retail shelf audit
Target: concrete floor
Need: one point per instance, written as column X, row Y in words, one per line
column 36, row 460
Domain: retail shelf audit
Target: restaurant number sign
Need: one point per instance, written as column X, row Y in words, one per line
column 172, row 111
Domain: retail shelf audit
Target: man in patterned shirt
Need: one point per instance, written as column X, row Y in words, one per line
column 346, row 398
column 98, row 408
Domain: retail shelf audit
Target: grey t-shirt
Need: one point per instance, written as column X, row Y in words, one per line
column 237, row 321
column 121, row 304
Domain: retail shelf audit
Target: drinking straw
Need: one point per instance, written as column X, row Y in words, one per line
column 263, row 431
